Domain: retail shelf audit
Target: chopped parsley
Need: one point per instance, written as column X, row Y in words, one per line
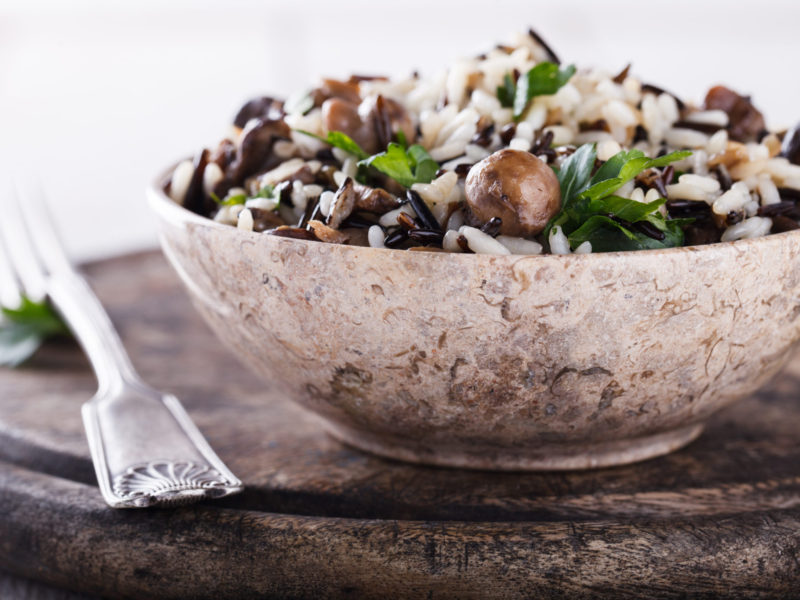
column 591, row 212
column 544, row 79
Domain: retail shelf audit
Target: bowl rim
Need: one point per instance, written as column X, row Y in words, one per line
column 169, row 210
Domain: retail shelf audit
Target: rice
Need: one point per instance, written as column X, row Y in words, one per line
column 459, row 118
column 481, row 243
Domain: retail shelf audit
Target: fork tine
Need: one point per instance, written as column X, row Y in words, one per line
column 36, row 214
column 19, row 252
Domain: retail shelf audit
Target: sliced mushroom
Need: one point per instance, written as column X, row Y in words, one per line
column 745, row 122
column 296, row 233
column 387, row 117
column 356, row 236
column 255, row 148
column 341, row 115
column 374, row 200
column 515, row 186
column 195, row 200
column 264, row 220
column 382, row 119
column 326, row 234
column 791, row 145
column 264, row 107
column 342, row 205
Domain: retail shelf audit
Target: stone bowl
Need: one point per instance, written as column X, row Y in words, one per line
column 496, row 362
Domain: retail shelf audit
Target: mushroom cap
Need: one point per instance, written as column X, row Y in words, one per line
column 515, row 186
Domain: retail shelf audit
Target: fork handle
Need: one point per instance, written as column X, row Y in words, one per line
column 92, row 326
column 145, row 449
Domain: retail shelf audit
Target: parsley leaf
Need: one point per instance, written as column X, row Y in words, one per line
column 405, row 166
column 590, row 212
column 505, row 92
column 267, row 191
column 339, row 140
column 544, row 79
column 25, row 329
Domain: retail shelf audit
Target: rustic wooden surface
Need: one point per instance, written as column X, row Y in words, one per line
column 319, row 520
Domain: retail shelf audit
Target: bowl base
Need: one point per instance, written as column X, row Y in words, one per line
column 552, row 457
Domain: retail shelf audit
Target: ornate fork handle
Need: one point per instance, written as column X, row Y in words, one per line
column 145, row 448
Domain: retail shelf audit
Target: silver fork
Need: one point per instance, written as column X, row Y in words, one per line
column 145, row 448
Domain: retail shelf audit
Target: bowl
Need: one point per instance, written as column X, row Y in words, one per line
column 495, row 362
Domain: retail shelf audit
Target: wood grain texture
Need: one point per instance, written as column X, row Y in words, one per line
column 320, row 520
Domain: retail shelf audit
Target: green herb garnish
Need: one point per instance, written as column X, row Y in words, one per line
column 591, row 212
column 267, row 191
column 544, row 79
column 339, row 140
column 406, row 166
column 25, row 329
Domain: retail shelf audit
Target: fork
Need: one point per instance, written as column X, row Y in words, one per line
column 145, row 449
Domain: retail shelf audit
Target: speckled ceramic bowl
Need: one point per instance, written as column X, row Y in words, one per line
column 496, row 362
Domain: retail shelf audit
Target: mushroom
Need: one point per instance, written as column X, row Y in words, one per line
column 374, row 200
column 516, row 187
column 382, row 119
column 791, row 145
column 746, row 123
column 343, row 204
column 195, row 200
column 263, row 107
column 254, row 153
column 325, row 234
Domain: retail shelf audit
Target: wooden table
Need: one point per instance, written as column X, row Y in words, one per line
column 320, row 520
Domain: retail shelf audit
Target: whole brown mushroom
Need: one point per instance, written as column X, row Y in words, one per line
column 515, row 186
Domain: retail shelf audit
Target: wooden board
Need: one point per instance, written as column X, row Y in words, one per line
column 319, row 520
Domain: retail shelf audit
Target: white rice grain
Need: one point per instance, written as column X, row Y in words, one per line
column 325, row 202
column 607, row 149
column 709, row 117
column 749, row 228
column 584, row 248
column 456, row 220
column 706, row 184
column 389, row 219
column 375, row 236
column 768, row 190
column 181, row 178
column 685, row 138
column 245, row 220
column 482, row 243
column 559, row 244
column 518, row 245
column 211, row 177
column 733, row 200
column 261, row 203
column 519, row 143
column 717, row 142
column 450, row 241
column 283, row 149
column 229, row 214
column 298, row 194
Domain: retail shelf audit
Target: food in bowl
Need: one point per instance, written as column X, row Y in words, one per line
column 514, row 357
column 509, row 152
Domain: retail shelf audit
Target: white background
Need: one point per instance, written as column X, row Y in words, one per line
column 99, row 96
